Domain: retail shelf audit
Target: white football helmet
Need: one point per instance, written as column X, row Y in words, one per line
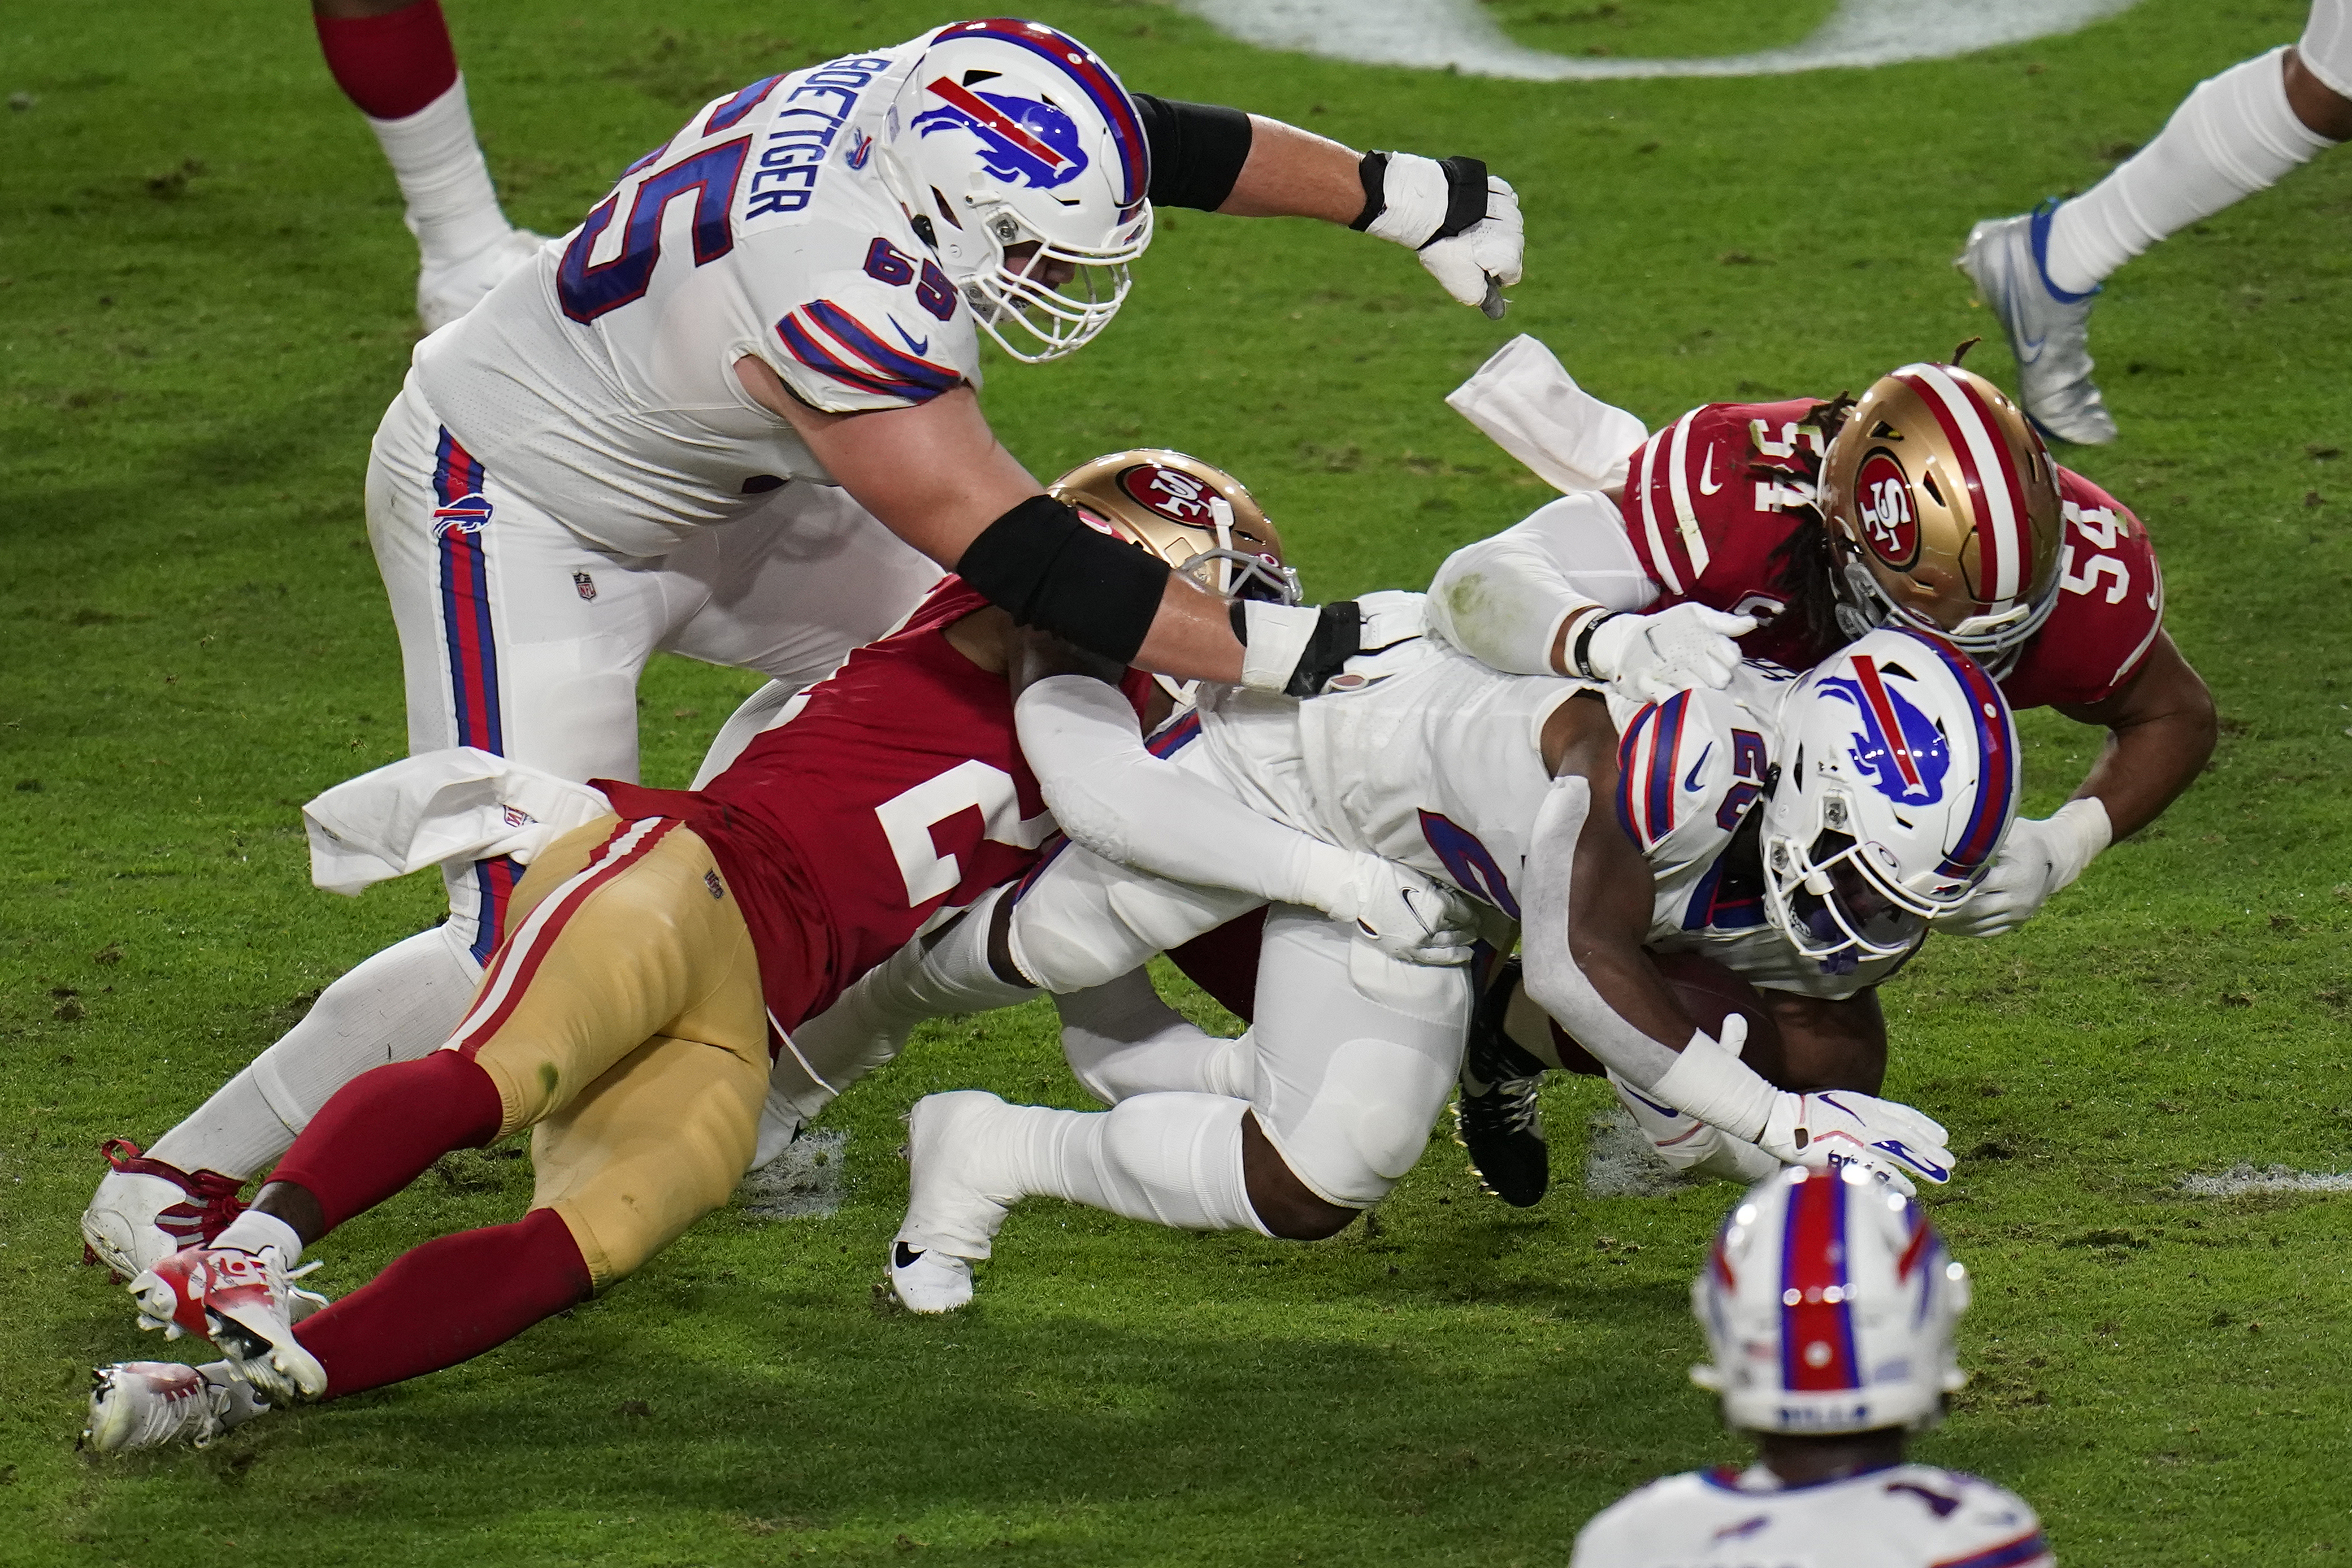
column 1009, row 133
column 1829, row 1304
column 1900, row 782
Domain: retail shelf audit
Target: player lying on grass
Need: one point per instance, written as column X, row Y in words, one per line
column 2235, row 134
column 715, row 418
column 661, row 956
column 1930, row 503
column 1896, row 780
column 1829, row 1306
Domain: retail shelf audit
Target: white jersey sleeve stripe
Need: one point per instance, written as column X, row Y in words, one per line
column 1658, row 556
column 1679, row 477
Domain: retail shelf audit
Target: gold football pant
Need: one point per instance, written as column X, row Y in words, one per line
column 622, row 1022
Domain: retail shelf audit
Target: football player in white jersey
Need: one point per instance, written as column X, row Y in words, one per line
column 1424, row 757
column 2239, row 132
column 1828, row 1305
column 733, row 414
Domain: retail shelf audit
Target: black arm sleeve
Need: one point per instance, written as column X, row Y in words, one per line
column 1049, row 568
column 1197, row 151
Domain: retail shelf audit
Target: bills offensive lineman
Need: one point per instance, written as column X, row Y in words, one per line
column 715, row 417
column 1828, row 1305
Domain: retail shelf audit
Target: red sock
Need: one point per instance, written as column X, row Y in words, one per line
column 385, row 1128
column 447, row 1302
column 393, row 65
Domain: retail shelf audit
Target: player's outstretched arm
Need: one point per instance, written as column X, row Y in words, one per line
column 2161, row 728
column 1110, row 794
column 1461, row 222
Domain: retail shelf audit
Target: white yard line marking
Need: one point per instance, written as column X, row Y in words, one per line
column 1436, row 33
column 2242, row 1178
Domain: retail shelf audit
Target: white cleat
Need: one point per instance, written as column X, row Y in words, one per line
column 245, row 1302
column 930, row 1281
column 149, row 1404
column 2048, row 331
column 951, row 1219
column 145, row 1209
column 448, row 289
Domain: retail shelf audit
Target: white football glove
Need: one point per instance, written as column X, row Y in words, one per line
column 2041, row 855
column 1402, row 913
column 1649, row 658
column 1836, row 1128
column 1461, row 222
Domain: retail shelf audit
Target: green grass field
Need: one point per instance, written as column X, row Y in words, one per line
column 205, row 305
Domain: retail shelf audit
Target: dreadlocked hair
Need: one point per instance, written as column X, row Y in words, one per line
column 1807, row 563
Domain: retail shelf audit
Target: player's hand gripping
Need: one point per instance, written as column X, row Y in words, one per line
column 1649, row 658
column 1837, row 1127
column 1461, row 222
column 2041, row 855
column 1402, row 913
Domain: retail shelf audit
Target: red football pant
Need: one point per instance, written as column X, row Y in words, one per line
column 447, row 1302
column 393, row 65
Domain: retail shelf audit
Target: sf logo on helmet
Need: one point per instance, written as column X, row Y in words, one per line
column 1884, row 497
column 1022, row 140
column 1898, row 750
column 1171, row 492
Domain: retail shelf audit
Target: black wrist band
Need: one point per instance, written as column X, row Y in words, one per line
column 1374, row 171
column 1578, row 658
column 1465, row 197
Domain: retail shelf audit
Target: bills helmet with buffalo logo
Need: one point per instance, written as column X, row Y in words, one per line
column 1942, row 508
column 1829, row 1304
column 1900, row 779
column 1010, row 135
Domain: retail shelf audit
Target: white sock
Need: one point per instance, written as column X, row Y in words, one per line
column 235, row 1133
column 1172, row 1160
column 394, row 1007
column 252, row 1230
column 453, row 209
column 2232, row 136
column 1122, row 1041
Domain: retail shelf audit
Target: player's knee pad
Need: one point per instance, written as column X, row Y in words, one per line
column 1367, row 1122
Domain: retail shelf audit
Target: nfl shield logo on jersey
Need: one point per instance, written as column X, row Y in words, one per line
column 1024, row 141
column 583, row 585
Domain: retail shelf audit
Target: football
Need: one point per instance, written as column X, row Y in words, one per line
column 1711, row 993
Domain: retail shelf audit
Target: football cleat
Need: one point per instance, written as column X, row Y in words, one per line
column 949, row 1220
column 2048, row 330
column 447, row 291
column 1496, row 1117
column 245, row 1302
column 927, row 1282
column 144, row 1210
column 152, row 1404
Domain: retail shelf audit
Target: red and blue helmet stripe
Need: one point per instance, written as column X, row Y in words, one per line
column 1998, row 776
column 1817, row 1348
column 1090, row 76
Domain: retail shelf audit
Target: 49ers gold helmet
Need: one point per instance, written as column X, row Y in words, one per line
column 1942, row 504
column 1196, row 517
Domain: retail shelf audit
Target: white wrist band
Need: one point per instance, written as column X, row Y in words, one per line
column 1718, row 1088
column 1278, row 635
column 2080, row 830
column 1414, row 196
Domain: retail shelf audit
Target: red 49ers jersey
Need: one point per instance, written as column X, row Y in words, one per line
column 897, row 791
column 1711, row 500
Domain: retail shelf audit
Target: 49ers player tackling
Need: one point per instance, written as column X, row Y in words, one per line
column 1930, row 502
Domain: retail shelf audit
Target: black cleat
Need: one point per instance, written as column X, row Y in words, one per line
column 1496, row 1117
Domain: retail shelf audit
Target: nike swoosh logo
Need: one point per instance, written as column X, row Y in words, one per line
column 920, row 345
column 1707, row 485
column 2029, row 350
column 1690, row 779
